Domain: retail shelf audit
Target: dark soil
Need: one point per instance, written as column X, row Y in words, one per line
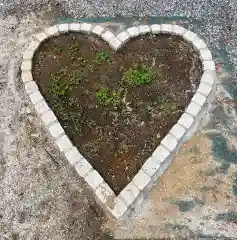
column 116, row 124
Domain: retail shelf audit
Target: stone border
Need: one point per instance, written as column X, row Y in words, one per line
column 137, row 189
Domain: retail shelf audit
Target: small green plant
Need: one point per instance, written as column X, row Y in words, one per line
column 138, row 75
column 79, row 61
column 69, row 111
column 109, row 98
column 62, row 82
column 74, row 48
column 103, row 56
column 75, row 54
column 102, row 95
column 58, row 87
column 58, row 49
column 74, row 78
column 166, row 104
column 161, row 99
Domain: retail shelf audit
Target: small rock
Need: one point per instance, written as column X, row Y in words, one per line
column 129, row 108
column 35, row 135
column 27, row 110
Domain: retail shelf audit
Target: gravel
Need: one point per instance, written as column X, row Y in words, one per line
column 41, row 196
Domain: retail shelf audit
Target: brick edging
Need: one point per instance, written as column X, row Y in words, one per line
column 137, row 189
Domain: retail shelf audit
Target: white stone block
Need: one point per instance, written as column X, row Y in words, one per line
column 199, row 99
column 75, row 27
column 208, row 77
column 31, row 87
column 104, row 193
column 193, row 109
column 73, row 156
column 156, row 28
column 41, row 107
column 148, row 188
column 166, row 28
column 48, row 117
column 199, row 44
column 160, row 154
column 64, row 143
column 151, row 165
column 177, row 131
column 94, row 179
column 56, row 130
column 33, row 45
column 141, row 180
column 119, row 208
column 178, row 30
column 115, row 43
column 189, row 36
column 209, row 65
column 143, row 29
column 129, row 193
column 83, row 167
column 63, row 27
column 123, row 36
column 204, row 89
column 164, row 165
column 26, row 76
column 169, row 142
column 186, row 121
column 139, row 200
column 26, row 65
column 107, row 36
column 98, row 30
column 28, row 55
column 36, row 97
column 205, row 54
column 41, row 36
column 52, row 31
column 86, row 27
column 133, row 31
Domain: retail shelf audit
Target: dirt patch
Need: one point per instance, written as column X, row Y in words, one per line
column 117, row 107
column 189, row 195
column 187, row 174
column 193, row 177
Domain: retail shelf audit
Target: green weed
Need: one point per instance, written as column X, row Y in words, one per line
column 66, row 107
column 74, row 48
column 102, row 56
column 166, row 104
column 68, row 111
column 138, row 75
column 80, row 61
column 75, row 54
column 109, row 98
column 63, row 82
column 58, row 49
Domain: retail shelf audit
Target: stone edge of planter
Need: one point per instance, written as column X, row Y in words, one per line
column 134, row 193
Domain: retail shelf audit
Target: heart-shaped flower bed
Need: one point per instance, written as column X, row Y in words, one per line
column 118, row 107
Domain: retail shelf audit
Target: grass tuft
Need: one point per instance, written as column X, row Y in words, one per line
column 138, row 75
